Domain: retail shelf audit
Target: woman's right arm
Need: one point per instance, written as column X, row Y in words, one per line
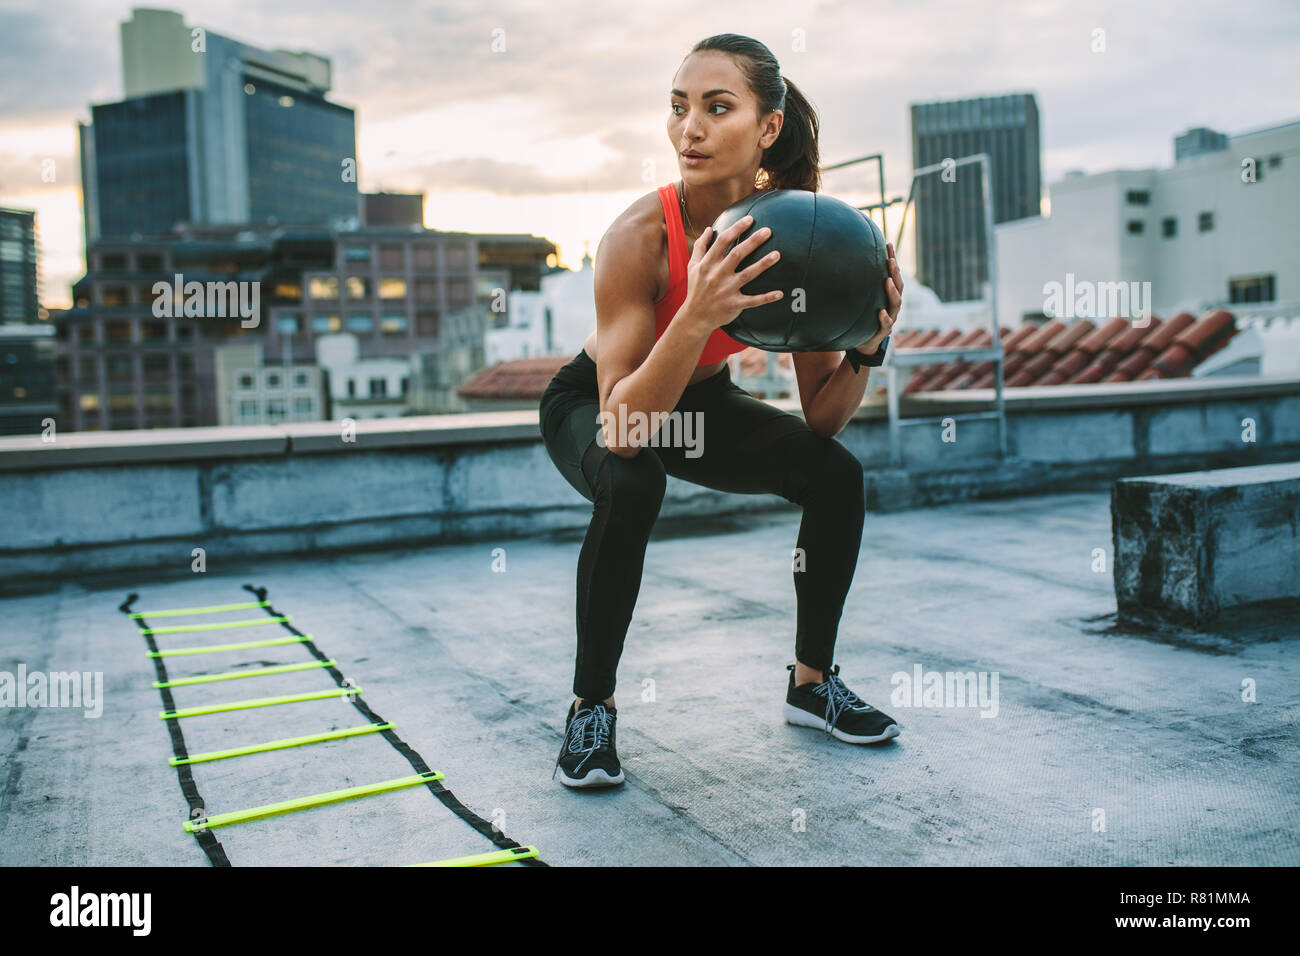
column 632, row 369
column 635, row 371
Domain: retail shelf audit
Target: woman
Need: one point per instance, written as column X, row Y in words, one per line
column 737, row 126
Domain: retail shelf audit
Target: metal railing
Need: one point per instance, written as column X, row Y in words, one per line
column 904, row 358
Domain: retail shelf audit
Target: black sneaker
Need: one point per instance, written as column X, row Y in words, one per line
column 837, row 710
column 587, row 757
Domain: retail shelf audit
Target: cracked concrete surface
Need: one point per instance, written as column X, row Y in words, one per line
column 1110, row 746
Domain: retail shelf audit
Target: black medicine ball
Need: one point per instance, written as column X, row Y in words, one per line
column 833, row 267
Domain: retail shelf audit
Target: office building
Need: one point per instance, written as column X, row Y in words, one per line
column 19, row 269
column 951, row 245
column 214, row 131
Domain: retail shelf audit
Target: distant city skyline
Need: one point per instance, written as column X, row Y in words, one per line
column 551, row 135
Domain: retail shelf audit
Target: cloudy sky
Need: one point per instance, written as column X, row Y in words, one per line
column 551, row 136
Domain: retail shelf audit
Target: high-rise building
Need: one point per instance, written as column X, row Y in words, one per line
column 215, row 131
column 19, row 275
column 951, row 246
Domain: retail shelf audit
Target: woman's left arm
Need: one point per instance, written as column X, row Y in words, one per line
column 830, row 391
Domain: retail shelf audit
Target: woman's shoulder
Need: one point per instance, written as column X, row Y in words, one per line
column 639, row 230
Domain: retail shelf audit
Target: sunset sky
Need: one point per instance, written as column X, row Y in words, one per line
column 552, row 136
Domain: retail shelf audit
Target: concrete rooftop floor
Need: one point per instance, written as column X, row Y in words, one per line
column 475, row 668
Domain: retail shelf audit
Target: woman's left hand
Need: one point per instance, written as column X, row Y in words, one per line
column 894, row 292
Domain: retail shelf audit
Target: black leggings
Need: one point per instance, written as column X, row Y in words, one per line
column 749, row 447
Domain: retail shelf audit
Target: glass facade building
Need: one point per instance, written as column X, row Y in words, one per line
column 951, row 247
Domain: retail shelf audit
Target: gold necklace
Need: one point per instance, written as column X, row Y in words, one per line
column 686, row 219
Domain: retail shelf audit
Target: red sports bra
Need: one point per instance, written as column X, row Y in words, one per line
column 719, row 344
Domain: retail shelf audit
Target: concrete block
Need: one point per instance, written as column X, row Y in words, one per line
column 1189, row 546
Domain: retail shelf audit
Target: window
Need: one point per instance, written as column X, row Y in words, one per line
column 1169, row 227
column 325, row 323
column 287, row 324
column 1275, row 161
column 117, row 331
column 112, row 295
column 1252, row 289
column 405, row 384
column 276, row 410
column 273, row 380
column 426, row 323
column 391, row 257
column 358, row 287
column 89, row 402
column 120, row 368
column 248, row 409
column 245, row 380
column 361, row 322
column 1138, row 197
column 153, row 331
column 112, row 262
column 457, row 257
column 378, row 387
column 1205, row 221
column 458, row 292
column 425, row 258
column 1135, row 227
column 301, row 380
column 426, row 290
column 392, row 322
column 392, row 288
column 157, row 366
column 356, row 253
column 326, row 287
column 302, row 406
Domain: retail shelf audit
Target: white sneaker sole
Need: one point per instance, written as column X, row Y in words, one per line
column 801, row 718
column 594, row 778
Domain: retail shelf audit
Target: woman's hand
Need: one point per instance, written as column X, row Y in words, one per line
column 894, row 292
column 713, row 285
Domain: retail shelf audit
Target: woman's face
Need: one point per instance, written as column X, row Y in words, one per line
column 713, row 111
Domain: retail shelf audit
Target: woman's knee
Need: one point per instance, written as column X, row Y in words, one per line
column 634, row 484
column 839, row 473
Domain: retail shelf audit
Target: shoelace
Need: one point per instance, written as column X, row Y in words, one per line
column 838, row 698
column 594, row 724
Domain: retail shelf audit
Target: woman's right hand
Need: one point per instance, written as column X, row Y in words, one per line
column 713, row 285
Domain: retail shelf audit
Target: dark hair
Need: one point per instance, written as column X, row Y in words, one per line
column 794, row 160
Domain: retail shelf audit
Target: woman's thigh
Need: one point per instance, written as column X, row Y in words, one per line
column 569, row 424
column 741, row 444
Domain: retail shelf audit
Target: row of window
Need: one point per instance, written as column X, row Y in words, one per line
column 424, row 257
column 1169, row 225
column 250, row 409
column 121, row 367
column 119, row 262
column 378, row 387
column 387, row 287
column 272, row 378
column 389, row 323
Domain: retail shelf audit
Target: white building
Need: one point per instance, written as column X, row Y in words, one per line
column 362, row 388
column 1198, row 233
column 553, row 321
column 251, row 392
